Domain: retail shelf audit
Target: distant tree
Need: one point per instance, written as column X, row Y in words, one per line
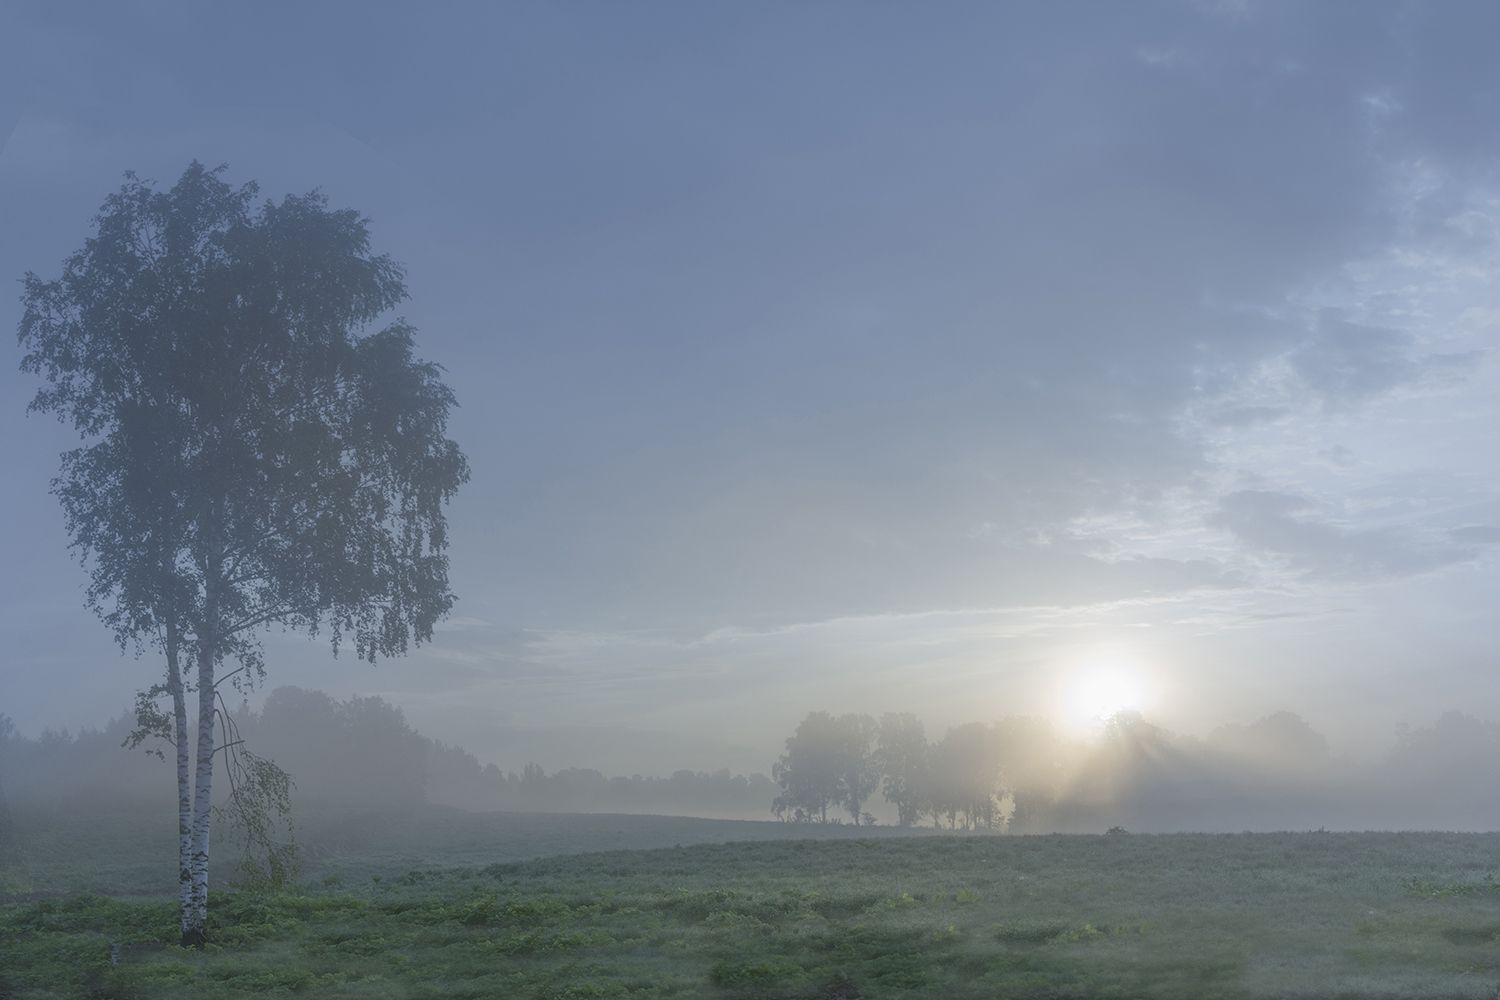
column 1032, row 760
column 965, row 777
column 901, row 753
column 251, row 456
column 859, row 770
column 1282, row 739
column 939, row 794
column 358, row 751
column 979, row 777
column 1129, row 742
column 810, row 771
column 828, row 762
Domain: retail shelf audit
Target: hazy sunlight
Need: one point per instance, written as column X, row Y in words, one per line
column 1103, row 685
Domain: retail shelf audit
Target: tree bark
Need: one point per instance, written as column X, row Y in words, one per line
column 195, row 934
column 184, row 786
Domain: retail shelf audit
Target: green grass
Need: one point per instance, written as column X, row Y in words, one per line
column 1314, row 915
column 132, row 853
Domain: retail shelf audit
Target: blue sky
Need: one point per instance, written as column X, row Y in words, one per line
column 854, row 356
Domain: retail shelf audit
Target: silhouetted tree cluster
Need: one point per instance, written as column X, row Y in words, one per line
column 841, row 761
column 1022, row 775
column 829, row 763
column 355, row 752
column 59, row 770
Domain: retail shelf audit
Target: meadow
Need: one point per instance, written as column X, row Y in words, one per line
column 446, row 904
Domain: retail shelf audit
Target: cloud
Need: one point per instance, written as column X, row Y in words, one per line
column 1345, row 362
column 1286, row 525
column 1247, row 416
column 1476, row 534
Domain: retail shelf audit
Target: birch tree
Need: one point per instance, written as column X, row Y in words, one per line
column 254, row 451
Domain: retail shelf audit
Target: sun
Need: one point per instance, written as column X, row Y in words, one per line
column 1103, row 686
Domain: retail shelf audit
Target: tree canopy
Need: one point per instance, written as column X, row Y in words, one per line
column 828, row 762
column 241, row 432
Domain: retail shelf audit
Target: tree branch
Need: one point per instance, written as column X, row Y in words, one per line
column 261, row 616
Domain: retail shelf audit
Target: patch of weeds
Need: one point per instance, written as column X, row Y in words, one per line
column 843, row 906
column 900, row 901
column 966, row 897
column 1484, row 935
column 902, row 972
column 735, row 920
column 1083, row 932
column 591, row 989
column 259, row 979
column 542, row 942
column 840, row 987
column 240, row 910
column 311, row 907
column 73, row 914
column 490, row 911
column 1028, row 933
column 754, row 975
column 866, row 942
column 348, row 942
column 1048, row 933
column 789, row 906
column 695, row 906
column 1428, row 889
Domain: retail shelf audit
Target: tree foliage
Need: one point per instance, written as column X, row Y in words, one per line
column 829, row 762
column 251, row 458
column 901, row 754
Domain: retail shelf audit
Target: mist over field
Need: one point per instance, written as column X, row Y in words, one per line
column 1276, row 773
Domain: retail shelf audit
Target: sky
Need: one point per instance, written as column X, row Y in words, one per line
column 957, row 359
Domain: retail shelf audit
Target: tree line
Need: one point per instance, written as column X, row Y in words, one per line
column 1014, row 773
column 354, row 754
column 1023, row 775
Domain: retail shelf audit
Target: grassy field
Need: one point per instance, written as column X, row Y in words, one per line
column 445, row 906
column 132, row 853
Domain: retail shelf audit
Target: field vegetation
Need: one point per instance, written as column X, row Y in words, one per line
column 445, row 904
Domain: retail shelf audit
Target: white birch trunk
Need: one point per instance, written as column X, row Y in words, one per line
column 184, row 784
column 196, row 930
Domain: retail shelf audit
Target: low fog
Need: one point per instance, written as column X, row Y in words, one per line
column 361, row 756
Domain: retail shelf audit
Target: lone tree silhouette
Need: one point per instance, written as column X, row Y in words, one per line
column 251, row 455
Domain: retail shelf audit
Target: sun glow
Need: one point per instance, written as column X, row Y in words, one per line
column 1102, row 686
